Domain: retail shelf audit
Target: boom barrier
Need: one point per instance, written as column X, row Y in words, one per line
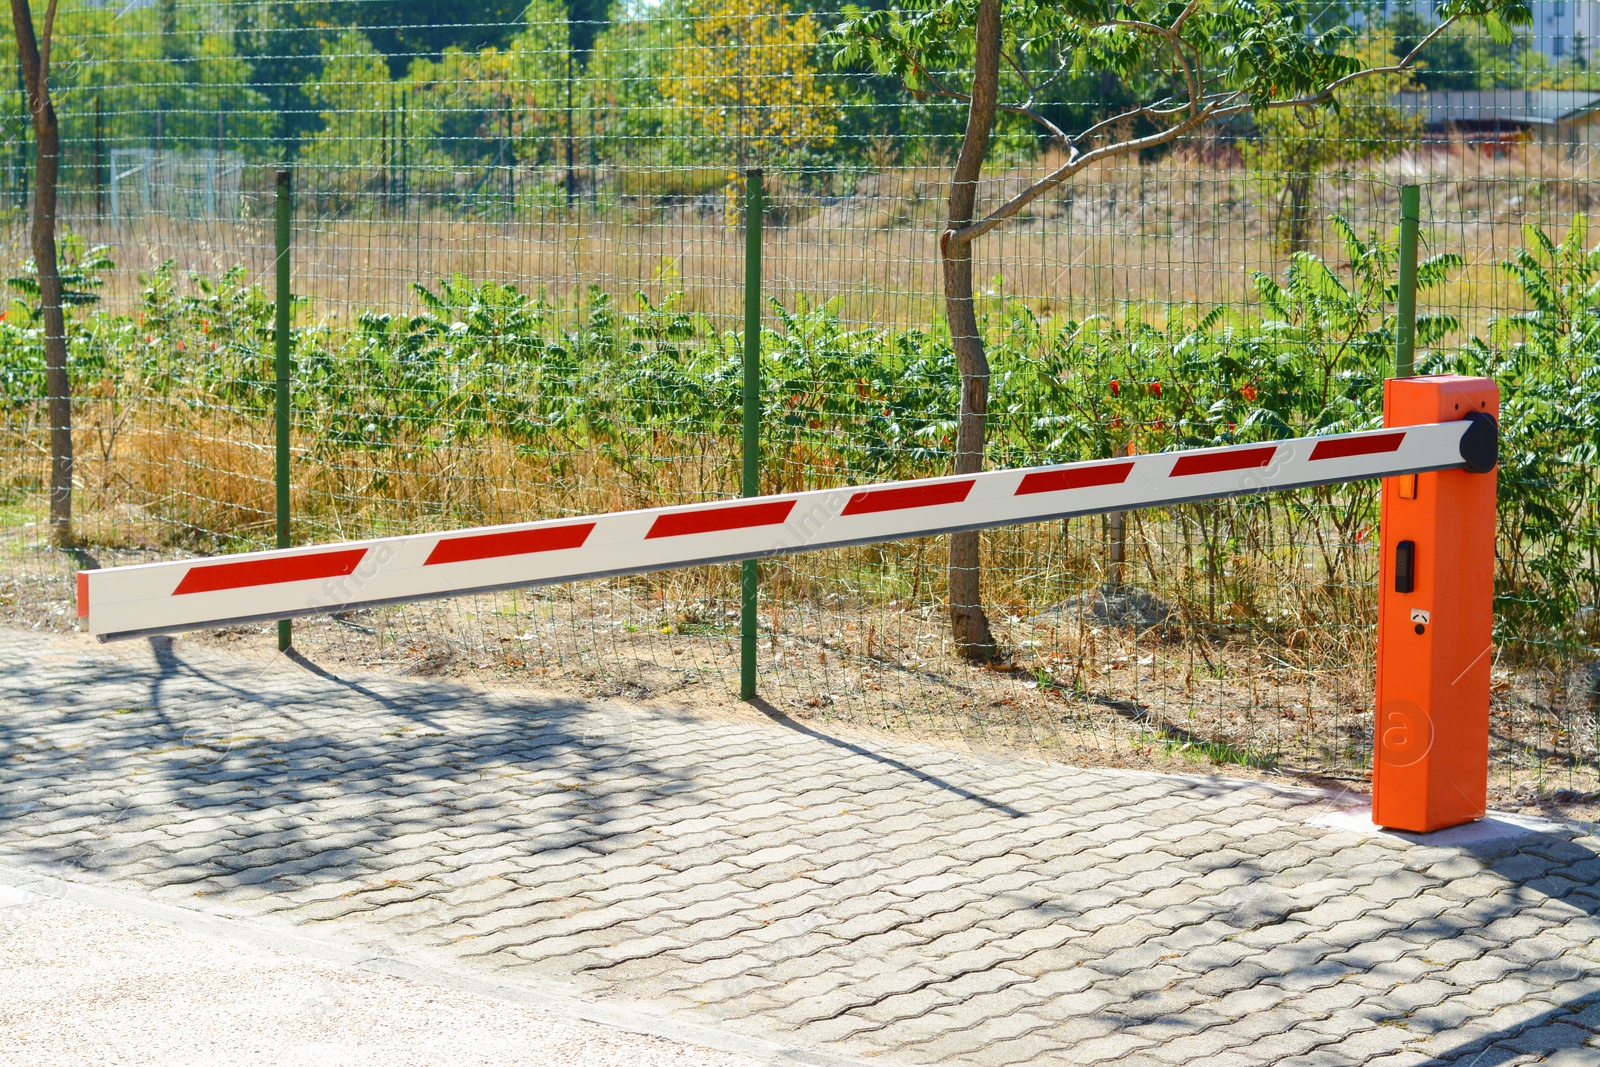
column 171, row 597
column 192, row 594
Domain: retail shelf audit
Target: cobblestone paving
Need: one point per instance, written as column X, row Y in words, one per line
column 886, row 899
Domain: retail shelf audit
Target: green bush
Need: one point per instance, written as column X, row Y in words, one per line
column 1546, row 361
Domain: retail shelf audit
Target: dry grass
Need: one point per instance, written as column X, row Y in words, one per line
column 1187, row 228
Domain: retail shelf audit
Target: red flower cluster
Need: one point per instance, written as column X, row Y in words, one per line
column 1249, row 392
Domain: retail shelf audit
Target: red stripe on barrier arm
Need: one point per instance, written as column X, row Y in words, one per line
column 210, row 578
column 714, row 520
column 912, row 496
column 509, row 543
column 1237, row 459
column 1360, row 446
column 1073, row 478
column 83, row 594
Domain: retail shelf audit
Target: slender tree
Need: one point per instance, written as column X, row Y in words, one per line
column 34, row 51
column 1209, row 59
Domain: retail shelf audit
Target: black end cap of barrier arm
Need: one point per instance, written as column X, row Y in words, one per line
column 1480, row 445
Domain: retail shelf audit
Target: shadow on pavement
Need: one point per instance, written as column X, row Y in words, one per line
column 787, row 723
column 171, row 742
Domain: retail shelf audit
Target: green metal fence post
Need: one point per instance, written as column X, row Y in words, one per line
column 405, row 175
column 281, row 344
column 751, row 481
column 1406, row 327
column 99, row 161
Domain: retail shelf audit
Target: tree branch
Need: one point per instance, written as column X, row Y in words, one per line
column 1183, row 16
column 1026, row 109
column 44, row 43
column 938, row 86
column 1055, row 131
column 1397, row 68
column 1075, row 163
column 1168, row 34
column 1201, row 110
column 939, row 89
column 1027, row 82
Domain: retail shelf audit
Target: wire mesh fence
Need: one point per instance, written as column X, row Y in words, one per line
column 517, row 278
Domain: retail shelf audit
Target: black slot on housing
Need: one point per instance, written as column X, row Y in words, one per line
column 1405, row 566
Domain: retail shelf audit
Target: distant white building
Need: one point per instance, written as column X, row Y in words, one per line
column 1502, row 117
column 1561, row 29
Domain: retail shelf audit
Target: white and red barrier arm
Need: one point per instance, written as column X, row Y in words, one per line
column 193, row 594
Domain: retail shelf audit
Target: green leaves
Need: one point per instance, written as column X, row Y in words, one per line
column 80, row 267
column 1499, row 17
column 1187, row 64
column 1255, row 47
column 1546, row 360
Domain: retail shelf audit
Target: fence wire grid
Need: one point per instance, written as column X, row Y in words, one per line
column 517, row 276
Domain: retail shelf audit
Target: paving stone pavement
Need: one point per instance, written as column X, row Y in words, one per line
column 868, row 898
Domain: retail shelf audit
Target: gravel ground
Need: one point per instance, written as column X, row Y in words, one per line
column 86, row 984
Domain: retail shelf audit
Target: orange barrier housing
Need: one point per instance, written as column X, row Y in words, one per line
column 1435, row 620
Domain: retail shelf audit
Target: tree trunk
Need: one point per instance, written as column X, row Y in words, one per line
column 1297, row 227
column 968, row 623
column 47, row 163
